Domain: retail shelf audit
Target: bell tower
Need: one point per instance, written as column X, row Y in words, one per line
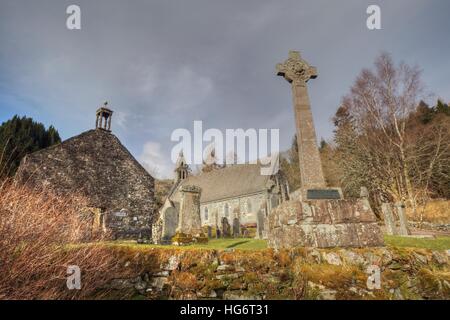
column 182, row 169
column 103, row 118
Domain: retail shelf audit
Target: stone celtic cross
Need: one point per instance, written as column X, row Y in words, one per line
column 298, row 72
column 295, row 69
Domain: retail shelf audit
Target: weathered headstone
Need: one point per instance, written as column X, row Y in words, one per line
column 209, row 228
column 260, row 217
column 169, row 224
column 298, row 72
column 218, row 233
column 236, row 227
column 389, row 220
column 226, row 232
column 364, row 193
column 403, row 229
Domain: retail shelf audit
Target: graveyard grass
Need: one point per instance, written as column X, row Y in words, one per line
column 439, row 243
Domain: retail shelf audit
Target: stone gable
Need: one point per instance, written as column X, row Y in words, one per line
column 96, row 165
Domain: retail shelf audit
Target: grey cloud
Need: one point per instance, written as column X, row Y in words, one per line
column 163, row 64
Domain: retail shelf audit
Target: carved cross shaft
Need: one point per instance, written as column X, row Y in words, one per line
column 297, row 72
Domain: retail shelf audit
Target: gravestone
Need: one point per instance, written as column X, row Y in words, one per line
column 236, row 227
column 389, row 220
column 218, row 233
column 226, row 232
column 169, row 224
column 364, row 193
column 209, row 231
column 403, row 229
column 260, row 217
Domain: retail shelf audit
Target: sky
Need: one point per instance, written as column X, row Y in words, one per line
column 163, row 64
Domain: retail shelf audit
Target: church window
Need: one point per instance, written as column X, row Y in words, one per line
column 226, row 210
column 206, row 213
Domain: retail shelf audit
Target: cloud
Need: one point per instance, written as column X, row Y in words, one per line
column 155, row 161
column 163, row 64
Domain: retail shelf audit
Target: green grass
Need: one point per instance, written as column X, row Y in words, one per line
column 439, row 243
column 217, row 244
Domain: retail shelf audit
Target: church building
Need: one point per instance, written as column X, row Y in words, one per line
column 235, row 192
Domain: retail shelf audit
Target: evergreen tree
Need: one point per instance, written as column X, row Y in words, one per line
column 19, row 137
column 442, row 108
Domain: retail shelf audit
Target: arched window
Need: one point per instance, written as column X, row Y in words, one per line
column 226, row 210
column 249, row 206
column 206, row 213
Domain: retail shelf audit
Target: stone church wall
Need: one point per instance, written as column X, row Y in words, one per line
column 236, row 207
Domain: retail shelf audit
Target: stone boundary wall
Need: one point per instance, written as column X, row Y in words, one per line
column 323, row 274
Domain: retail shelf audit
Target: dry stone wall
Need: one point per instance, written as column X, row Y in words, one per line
column 302, row 273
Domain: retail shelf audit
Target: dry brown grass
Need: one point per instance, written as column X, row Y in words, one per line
column 38, row 230
column 437, row 211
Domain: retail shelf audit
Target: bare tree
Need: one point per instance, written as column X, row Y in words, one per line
column 377, row 144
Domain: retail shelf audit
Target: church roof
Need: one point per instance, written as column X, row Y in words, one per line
column 229, row 182
column 94, row 164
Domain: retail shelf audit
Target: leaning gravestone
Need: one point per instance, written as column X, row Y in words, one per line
column 389, row 220
column 236, row 227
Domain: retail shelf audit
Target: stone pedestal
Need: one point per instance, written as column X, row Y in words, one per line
column 323, row 224
column 189, row 222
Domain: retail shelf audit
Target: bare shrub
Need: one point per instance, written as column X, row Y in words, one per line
column 41, row 234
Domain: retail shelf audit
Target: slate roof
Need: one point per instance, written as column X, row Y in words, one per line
column 229, row 182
